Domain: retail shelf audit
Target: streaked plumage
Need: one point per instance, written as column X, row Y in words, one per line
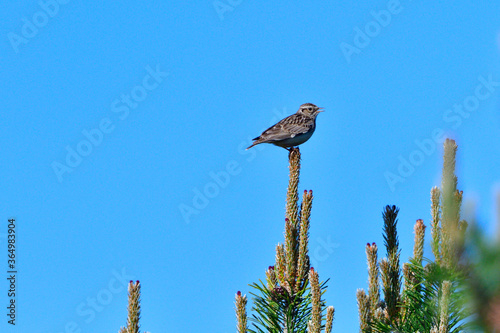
column 293, row 130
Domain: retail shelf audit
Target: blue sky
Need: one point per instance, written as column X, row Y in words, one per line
column 115, row 115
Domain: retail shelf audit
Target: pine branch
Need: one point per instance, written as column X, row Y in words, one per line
column 450, row 205
column 373, row 276
column 292, row 196
column 292, row 222
column 271, row 278
column 241, row 312
column 314, row 325
column 330, row 312
column 303, row 261
column 418, row 247
column 364, row 311
column 444, row 303
column 392, row 284
column 134, row 307
column 435, row 224
column 391, row 241
column 290, row 254
column 281, row 266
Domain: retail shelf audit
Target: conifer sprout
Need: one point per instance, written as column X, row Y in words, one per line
column 315, row 323
column 330, row 312
column 418, row 255
column 364, row 311
column 303, row 263
column 447, row 230
column 373, row 276
column 241, row 312
column 292, row 195
column 134, row 308
column 410, row 280
column 271, row 278
column 291, row 254
column 280, row 265
column 444, row 305
column 408, row 277
column 384, row 274
column 435, row 224
column 292, row 212
column 393, row 278
column 451, row 200
column 418, row 248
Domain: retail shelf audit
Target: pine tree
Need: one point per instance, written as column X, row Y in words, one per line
column 290, row 300
column 432, row 297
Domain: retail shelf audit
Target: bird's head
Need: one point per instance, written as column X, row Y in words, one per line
column 310, row 110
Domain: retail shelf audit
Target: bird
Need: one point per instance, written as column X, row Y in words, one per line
column 293, row 130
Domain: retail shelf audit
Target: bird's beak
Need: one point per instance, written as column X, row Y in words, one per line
column 321, row 110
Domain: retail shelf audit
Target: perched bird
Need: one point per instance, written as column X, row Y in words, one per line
column 293, row 130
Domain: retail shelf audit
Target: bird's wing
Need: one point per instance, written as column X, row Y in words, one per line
column 286, row 129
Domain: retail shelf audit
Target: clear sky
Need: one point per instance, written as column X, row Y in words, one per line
column 117, row 115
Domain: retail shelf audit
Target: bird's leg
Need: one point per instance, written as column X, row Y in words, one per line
column 291, row 150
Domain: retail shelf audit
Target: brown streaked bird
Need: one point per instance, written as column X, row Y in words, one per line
column 293, row 130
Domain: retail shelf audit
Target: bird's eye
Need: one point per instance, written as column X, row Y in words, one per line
column 310, row 109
